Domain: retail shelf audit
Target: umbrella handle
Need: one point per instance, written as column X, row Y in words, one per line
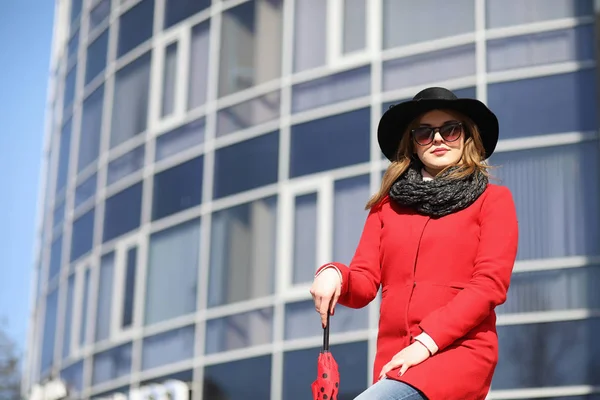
column 326, row 334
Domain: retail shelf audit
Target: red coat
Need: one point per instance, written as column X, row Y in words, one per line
column 443, row 276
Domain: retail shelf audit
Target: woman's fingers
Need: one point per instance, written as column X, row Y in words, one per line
column 323, row 308
column 396, row 362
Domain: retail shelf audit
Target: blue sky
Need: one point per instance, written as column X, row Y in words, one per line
column 25, row 41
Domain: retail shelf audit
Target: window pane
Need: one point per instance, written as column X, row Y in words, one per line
column 123, row 212
column 301, row 320
column 456, row 62
column 73, row 377
column 312, row 143
column 554, row 290
column 180, row 139
column 99, row 13
column 167, row 348
column 125, row 165
column 55, row 258
column 305, row 238
column 526, row 106
column 349, row 215
column 197, row 84
column 86, row 190
column 83, row 235
column 331, row 89
column 407, row 22
column 97, row 53
column 556, row 191
column 76, row 6
column 178, row 188
column 135, row 26
column 310, row 31
column 84, row 308
column 548, row 354
column 571, row 44
column 105, row 295
column 169, row 80
column 58, row 216
column 261, row 161
column 91, row 129
column 69, row 93
column 248, row 114
column 66, row 342
column 242, row 259
column 501, row 13
column 130, row 102
column 63, row 156
column 355, row 25
column 112, row 364
column 250, row 45
column 172, row 272
column 239, row 331
column 299, row 368
column 49, row 331
column 178, row 10
column 252, row 379
column 73, row 47
column 129, row 295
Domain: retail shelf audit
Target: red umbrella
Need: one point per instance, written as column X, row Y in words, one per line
column 326, row 386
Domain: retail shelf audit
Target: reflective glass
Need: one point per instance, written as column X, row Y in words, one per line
column 169, row 79
column 86, row 190
column 248, row 114
column 239, row 331
column 84, row 308
column 178, row 10
column 129, row 295
column 251, row 39
column 73, row 377
column 76, row 6
column 310, row 29
column 83, row 235
column 556, row 191
column 73, row 47
column 354, row 25
column 55, row 258
column 180, row 139
column 573, row 44
column 553, row 290
column 111, row 364
column 125, row 165
column 252, row 379
column 301, row 320
column 305, row 238
column 168, row 347
column 349, row 215
column 548, row 354
column 500, row 13
column 99, row 13
column 299, row 370
column 105, row 296
column 49, row 331
column 66, row 335
column 452, row 63
column 313, row 142
column 58, row 216
column 242, row 259
column 171, row 285
column 197, row 82
column 97, row 53
column 407, row 22
column 331, row 89
column 91, row 128
column 178, row 188
column 69, row 90
column 123, row 212
column 63, row 156
column 130, row 101
column 260, row 156
column 527, row 107
column 135, row 26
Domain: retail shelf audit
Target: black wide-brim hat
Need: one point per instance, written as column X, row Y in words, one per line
column 395, row 120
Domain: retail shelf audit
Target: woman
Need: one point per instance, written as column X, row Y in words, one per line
column 441, row 241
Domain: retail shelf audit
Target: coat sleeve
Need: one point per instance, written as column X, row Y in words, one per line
column 489, row 284
column 361, row 279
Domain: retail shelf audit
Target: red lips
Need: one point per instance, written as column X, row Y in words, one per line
column 440, row 151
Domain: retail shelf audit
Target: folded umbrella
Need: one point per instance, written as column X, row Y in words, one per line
column 326, row 386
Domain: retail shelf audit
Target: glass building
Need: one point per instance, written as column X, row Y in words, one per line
column 204, row 157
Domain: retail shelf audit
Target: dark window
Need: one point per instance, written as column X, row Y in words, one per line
column 178, row 10
column 99, row 13
column 111, row 364
column 96, row 57
column 123, row 212
column 83, row 235
column 252, row 379
column 178, row 188
column 329, row 143
column 168, row 348
column 91, row 128
column 180, row 139
column 129, row 295
column 86, row 190
column 125, row 165
column 63, row 156
column 69, row 89
column 246, row 165
column 55, row 258
column 135, row 26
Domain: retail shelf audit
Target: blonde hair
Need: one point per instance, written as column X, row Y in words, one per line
column 471, row 161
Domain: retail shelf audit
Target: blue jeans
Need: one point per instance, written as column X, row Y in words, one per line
column 389, row 389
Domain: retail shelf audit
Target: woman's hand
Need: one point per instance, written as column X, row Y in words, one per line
column 325, row 290
column 410, row 356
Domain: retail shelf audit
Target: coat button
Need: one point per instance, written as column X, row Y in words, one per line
column 414, row 284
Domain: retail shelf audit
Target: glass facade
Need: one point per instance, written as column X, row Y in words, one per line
column 204, row 157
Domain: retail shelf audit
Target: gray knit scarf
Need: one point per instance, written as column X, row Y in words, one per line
column 437, row 197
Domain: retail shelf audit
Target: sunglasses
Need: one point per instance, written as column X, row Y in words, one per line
column 424, row 135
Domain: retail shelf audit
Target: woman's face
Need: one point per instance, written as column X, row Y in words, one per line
column 438, row 140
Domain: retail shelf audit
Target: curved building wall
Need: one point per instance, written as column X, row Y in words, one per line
column 204, row 157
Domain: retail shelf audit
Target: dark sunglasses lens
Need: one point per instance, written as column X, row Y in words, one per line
column 422, row 135
column 451, row 132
